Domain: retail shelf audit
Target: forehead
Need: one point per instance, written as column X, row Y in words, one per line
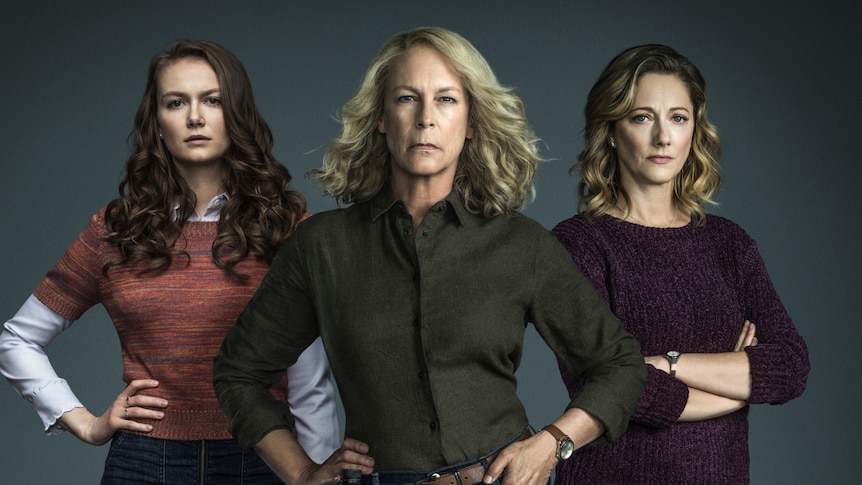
column 666, row 88
column 187, row 73
column 423, row 65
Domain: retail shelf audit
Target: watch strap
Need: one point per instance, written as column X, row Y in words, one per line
column 556, row 432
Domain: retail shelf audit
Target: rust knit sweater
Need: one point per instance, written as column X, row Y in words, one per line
column 170, row 323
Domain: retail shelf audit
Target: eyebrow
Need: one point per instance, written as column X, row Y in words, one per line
column 444, row 89
column 676, row 108
column 183, row 94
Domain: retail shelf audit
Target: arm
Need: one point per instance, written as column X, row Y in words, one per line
column 24, row 363
column 723, row 374
column 311, row 397
column 283, row 454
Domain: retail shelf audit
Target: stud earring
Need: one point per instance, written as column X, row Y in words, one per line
column 611, row 141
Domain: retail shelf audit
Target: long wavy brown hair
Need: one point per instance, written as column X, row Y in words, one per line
column 262, row 210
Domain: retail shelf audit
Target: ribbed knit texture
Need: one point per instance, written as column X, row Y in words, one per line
column 170, row 323
column 688, row 289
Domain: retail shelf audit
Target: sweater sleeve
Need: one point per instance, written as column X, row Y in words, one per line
column 779, row 362
column 73, row 285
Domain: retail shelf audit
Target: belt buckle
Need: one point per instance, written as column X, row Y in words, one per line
column 436, row 476
column 430, row 478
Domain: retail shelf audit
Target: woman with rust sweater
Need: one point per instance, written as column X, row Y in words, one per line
column 203, row 208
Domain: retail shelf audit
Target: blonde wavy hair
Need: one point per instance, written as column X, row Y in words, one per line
column 610, row 99
column 496, row 167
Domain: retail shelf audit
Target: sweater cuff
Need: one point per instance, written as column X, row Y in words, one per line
column 775, row 378
column 663, row 400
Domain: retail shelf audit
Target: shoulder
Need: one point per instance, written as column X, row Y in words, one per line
column 726, row 231
column 575, row 226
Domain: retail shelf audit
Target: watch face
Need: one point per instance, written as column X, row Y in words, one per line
column 566, row 449
column 673, row 354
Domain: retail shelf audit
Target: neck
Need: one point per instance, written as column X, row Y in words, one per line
column 206, row 184
column 418, row 197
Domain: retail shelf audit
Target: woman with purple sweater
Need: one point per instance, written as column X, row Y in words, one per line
column 691, row 287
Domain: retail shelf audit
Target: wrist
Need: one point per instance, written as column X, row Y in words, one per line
column 673, row 360
column 564, row 445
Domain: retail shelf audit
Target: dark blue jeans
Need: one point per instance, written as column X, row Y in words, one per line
column 141, row 459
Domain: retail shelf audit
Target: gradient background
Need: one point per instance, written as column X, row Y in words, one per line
column 784, row 90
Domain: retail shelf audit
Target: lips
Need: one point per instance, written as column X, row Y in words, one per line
column 197, row 140
column 661, row 160
column 423, row 146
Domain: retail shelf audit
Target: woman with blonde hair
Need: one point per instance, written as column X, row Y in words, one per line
column 422, row 289
column 691, row 287
column 203, row 209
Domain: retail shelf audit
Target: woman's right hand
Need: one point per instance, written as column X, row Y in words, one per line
column 121, row 415
column 746, row 338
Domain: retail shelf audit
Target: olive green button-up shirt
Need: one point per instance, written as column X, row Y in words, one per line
column 424, row 330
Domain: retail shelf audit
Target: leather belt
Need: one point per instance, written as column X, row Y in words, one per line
column 468, row 475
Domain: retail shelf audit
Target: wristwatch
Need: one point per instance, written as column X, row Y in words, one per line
column 565, row 446
column 673, row 358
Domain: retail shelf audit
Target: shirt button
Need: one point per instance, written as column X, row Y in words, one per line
column 421, row 375
column 424, row 232
column 433, row 425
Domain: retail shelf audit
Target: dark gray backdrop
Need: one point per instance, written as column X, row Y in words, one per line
column 783, row 89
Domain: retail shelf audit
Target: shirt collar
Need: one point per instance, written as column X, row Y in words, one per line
column 212, row 213
column 385, row 200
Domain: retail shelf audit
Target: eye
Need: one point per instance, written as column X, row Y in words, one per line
column 640, row 118
column 213, row 101
column 175, row 103
column 447, row 99
column 679, row 119
column 406, row 98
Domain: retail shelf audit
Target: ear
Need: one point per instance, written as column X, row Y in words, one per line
column 381, row 128
column 469, row 132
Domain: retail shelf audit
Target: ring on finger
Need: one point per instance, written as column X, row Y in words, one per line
column 126, row 412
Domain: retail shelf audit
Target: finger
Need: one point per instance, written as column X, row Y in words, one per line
column 743, row 337
column 138, row 384
column 146, row 402
column 750, row 336
column 354, row 445
column 497, row 467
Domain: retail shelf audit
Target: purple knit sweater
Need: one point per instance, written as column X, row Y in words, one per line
column 688, row 289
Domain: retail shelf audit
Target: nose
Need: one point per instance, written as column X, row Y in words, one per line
column 662, row 135
column 425, row 115
column 195, row 116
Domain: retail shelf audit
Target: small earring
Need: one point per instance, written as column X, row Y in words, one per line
column 611, row 141
column 161, row 135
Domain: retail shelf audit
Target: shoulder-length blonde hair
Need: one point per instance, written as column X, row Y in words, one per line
column 496, row 168
column 610, row 99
